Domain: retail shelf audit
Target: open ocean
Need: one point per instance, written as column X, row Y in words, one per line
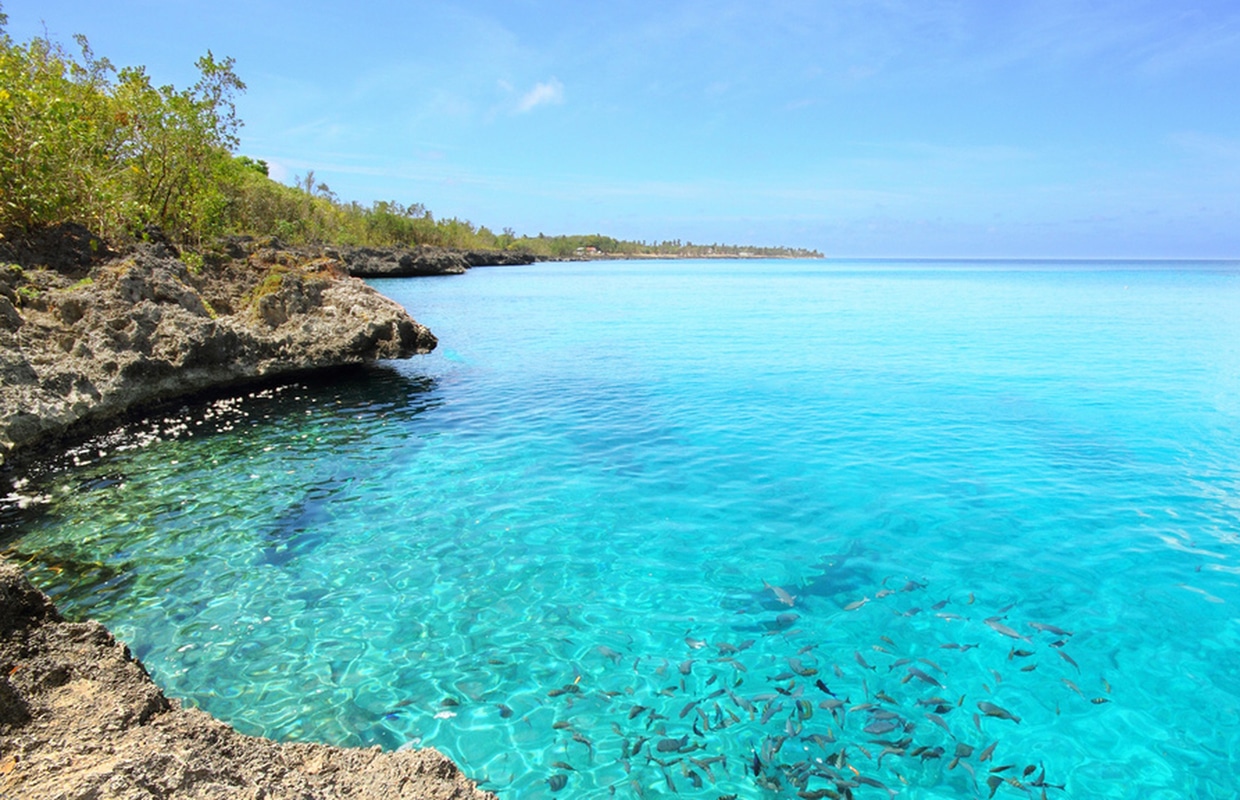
column 709, row 528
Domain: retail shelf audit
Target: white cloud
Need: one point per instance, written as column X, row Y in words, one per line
column 549, row 93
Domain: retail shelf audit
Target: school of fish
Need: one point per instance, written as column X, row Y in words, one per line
column 778, row 714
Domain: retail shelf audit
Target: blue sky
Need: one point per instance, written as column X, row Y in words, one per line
column 885, row 128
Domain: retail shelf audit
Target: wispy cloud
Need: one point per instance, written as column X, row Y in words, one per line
column 549, row 93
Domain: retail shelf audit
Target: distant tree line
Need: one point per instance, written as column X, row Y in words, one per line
column 84, row 142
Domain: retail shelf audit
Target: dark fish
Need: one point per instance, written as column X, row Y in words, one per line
column 912, row 586
column 992, row 710
column 937, row 720
column 780, row 594
column 939, row 605
column 998, row 626
column 1029, row 770
column 890, row 751
column 742, row 702
column 863, row 780
column 560, row 725
column 823, row 686
column 912, row 612
column 635, row 710
column 861, row 660
column 963, row 750
column 504, row 711
column 745, row 645
column 672, row 745
column 1068, row 658
column 799, row 668
column 1019, row 653
column 579, row 739
column 1099, row 701
column 880, row 726
column 988, row 752
column 1051, row 629
column 994, row 782
column 921, row 676
column 562, row 765
column 686, row 667
column 1029, row 668
column 689, row 707
column 557, row 781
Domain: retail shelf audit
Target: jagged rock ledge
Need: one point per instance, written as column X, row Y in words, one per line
column 80, row 718
column 424, row 260
column 83, row 342
column 86, row 336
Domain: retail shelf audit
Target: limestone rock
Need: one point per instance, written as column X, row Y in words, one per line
column 372, row 262
column 143, row 329
column 497, row 258
column 80, row 717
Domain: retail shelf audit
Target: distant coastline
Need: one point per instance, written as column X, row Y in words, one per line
column 741, row 256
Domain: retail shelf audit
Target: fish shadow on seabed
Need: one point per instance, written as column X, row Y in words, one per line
column 839, row 577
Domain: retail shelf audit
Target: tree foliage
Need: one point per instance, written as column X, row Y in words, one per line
column 84, row 142
column 80, row 141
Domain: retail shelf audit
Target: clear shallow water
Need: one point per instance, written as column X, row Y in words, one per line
column 572, row 508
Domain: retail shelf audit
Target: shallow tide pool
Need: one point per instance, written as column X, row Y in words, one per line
column 667, row 529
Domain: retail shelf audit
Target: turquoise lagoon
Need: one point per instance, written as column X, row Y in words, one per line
column 629, row 516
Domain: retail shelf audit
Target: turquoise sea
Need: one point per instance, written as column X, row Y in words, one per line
column 706, row 529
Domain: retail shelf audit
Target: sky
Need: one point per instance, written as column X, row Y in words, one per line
column 889, row 128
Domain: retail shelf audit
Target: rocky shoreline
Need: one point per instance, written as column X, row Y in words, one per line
column 81, row 718
column 87, row 336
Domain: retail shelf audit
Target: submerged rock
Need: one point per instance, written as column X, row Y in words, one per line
column 80, row 717
column 88, row 346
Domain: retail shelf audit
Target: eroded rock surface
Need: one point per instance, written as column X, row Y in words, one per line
column 80, row 718
column 376, row 262
column 81, row 344
column 424, row 260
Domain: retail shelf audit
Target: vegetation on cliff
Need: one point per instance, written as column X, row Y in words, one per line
column 86, row 143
